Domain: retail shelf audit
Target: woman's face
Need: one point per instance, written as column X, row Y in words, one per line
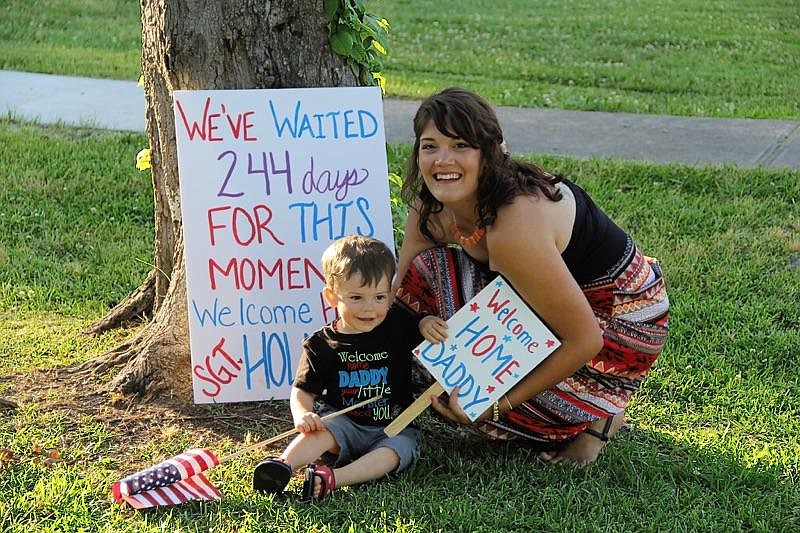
column 450, row 167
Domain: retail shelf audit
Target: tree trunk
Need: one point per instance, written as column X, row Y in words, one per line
column 193, row 44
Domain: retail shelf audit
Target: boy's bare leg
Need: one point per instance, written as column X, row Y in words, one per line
column 308, row 447
column 585, row 448
column 373, row 465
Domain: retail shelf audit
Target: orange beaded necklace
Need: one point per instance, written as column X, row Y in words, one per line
column 473, row 239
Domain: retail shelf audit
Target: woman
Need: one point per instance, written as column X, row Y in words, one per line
column 582, row 274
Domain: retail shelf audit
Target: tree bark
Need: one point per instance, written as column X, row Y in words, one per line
column 193, row 44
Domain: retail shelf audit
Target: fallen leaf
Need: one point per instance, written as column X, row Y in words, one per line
column 6, row 456
column 37, row 449
column 55, row 455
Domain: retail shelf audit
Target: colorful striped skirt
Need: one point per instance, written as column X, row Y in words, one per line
column 631, row 305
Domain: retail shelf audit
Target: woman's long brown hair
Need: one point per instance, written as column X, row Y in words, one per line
column 459, row 113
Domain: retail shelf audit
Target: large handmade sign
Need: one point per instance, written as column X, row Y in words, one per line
column 494, row 341
column 268, row 179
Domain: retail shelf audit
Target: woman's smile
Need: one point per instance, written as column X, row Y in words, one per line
column 449, row 166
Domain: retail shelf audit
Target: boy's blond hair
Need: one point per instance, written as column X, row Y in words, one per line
column 355, row 254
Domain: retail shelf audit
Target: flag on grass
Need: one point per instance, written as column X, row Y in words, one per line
column 176, row 480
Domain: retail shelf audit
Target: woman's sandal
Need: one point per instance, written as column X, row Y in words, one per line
column 271, row 476
column 325, row 475
column 602, row 435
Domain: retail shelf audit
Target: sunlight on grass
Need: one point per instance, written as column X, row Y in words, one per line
column 707, row 446
column 730, row 58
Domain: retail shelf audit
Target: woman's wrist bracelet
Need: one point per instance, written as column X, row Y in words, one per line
column 495, row 412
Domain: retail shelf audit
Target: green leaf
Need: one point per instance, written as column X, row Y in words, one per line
column 330, row 7
column 342, row 42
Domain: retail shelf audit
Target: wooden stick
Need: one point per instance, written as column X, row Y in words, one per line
column 413, row 411
column 290, row 432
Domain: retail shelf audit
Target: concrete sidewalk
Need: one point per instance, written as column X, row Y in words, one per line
column 119, row 105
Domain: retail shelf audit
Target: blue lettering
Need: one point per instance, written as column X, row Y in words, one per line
column 215, row 315
column 497, row 352
column 468, row 328
column 362, row 114
column 267, row 362
column 363, row 205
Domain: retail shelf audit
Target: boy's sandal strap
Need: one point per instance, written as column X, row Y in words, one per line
column 326, row 477
column 602, row 435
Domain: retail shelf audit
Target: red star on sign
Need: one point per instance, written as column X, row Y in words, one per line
column 550, row 343
column 490, row 389
column 416, row 352
column 474, row 307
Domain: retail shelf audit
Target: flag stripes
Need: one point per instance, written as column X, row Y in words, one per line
column 176, row 480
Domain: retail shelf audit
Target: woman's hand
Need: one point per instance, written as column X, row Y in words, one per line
column 453, row 412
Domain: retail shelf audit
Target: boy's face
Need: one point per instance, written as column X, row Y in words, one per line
column 361, row 308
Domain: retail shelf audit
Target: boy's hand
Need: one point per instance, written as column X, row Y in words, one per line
column 307, row 422
column 433, row 328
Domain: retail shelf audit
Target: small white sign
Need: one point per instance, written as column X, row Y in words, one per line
column 495, row 340
column 268, row 179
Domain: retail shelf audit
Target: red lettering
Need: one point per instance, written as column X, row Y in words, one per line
column 248, row 274
column 494, row 304
column 235, row 128
column 194, row 129
column 252, row 228
column 262, row 224
column 491, row 338
column 231, row 268
column 506, row 370
column 326, row 309
column 247, row 126
column 222, row 375
column 509, row 315
column 211, row 225
column 246, row 227
column 211, row 127
column 309, row 268
column 290, row 272
column 238, row 123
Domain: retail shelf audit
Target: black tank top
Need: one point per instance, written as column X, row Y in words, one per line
column 596, row 244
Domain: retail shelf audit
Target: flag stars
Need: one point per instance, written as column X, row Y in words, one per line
column 550, row 343
column 507, row 338
column 474, row 307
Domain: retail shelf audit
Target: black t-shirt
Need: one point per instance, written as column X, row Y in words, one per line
column 347, row 368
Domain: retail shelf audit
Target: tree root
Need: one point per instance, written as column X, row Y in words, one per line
column 154, row 364
column 137, row 306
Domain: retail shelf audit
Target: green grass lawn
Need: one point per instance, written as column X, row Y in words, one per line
column 713, row 439
column 728, row 58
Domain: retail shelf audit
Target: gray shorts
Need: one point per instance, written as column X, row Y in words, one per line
column 356, row 440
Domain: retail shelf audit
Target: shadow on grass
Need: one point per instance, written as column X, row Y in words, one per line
column 642, row 481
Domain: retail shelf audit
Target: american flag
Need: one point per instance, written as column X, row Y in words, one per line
column 176, row 480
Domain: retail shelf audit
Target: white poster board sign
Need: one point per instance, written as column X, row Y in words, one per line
column 268, row 179
column 494, row 341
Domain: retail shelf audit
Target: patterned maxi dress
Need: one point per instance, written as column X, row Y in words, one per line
column 631, row 305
